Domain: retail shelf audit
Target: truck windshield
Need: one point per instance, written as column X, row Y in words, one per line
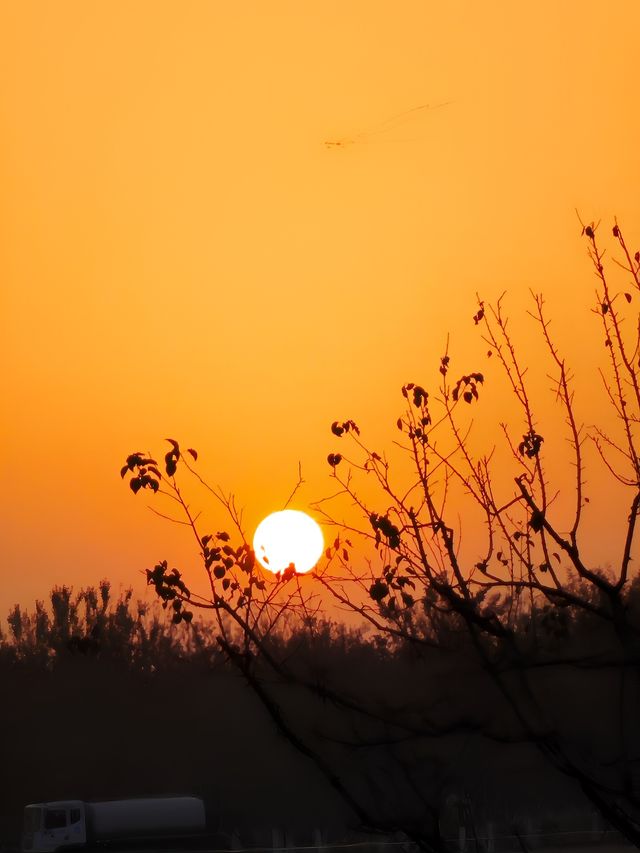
column 55, row 818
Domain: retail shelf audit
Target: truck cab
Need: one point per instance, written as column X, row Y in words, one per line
column 52, row 826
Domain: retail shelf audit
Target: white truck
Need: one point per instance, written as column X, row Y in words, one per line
column 69, row 824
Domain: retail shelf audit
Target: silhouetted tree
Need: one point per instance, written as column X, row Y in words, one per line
column 538, row 634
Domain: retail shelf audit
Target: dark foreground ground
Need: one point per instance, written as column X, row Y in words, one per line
column 280, row 841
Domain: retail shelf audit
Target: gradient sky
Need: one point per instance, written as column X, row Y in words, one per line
column 182, row 255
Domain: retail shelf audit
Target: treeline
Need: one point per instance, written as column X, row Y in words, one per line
column 105, row 697
column 95, row 624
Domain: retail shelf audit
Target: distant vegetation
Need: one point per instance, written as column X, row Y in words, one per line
column 94, row 624
column 106, row 697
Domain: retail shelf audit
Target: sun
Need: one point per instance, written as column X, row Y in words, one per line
column 287, row 537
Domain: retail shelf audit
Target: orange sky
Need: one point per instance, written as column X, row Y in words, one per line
column 180, row 253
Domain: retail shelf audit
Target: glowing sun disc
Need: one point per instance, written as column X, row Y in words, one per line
column 286, row 537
